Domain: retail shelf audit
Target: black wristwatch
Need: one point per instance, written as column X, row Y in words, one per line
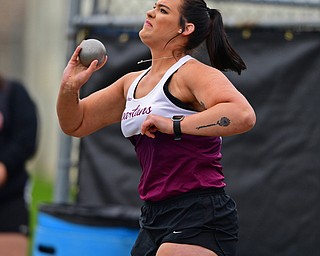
column 176, row 126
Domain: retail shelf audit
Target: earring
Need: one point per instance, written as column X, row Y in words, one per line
column 180, row 31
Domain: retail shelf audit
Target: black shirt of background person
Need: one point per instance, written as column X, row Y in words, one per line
column 18, row 136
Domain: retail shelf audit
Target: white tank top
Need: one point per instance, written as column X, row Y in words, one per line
column 155, row 102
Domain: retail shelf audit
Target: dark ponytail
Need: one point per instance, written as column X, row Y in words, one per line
column 209, row 27
column 222, row 55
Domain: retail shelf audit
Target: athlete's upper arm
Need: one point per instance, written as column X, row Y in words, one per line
column 105, row 107
column 209, row 85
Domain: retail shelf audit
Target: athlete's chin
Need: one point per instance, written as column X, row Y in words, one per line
column 145, row 36
column 144, row 32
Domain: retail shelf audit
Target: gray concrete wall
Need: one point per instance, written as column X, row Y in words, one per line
column 12, row 17
column 45, row 58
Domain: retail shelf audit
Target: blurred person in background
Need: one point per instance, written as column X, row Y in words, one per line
column 18, row 135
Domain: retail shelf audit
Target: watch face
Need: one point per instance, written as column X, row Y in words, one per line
column 177, row 118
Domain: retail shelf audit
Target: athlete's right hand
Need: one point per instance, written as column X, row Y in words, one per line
column 75, row 75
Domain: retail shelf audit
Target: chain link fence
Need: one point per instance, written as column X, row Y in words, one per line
column 235, row 13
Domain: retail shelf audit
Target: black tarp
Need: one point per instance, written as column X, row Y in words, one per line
column 273, row 172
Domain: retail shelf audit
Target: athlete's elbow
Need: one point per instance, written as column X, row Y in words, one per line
column 71, row 131
column 248, row 119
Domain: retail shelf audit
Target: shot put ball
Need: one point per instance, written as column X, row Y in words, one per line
column 91, row 49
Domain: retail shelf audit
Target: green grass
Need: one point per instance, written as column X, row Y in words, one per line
column 42, row 192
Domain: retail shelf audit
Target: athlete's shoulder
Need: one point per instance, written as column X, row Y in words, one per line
column 194, row 69
column 133, row 75
column 129, row 78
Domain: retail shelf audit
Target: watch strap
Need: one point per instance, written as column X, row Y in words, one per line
column 177, row 126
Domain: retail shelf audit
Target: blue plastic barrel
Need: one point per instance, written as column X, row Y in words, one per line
column 65, row 231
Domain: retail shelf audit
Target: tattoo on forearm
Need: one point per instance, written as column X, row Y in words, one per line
column 224, row 121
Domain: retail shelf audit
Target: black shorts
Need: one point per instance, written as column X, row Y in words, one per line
column 206, row 218
column 14, row 216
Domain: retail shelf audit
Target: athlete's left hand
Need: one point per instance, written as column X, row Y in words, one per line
column 154, row 123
